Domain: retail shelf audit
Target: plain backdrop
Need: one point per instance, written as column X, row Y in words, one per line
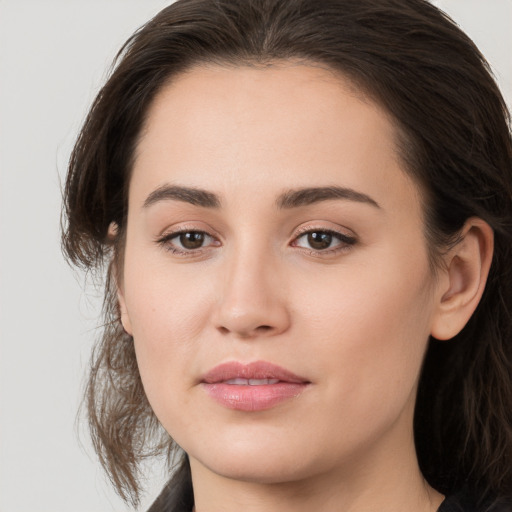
column 54, row 55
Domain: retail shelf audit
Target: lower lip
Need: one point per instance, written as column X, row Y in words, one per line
column 253, row 398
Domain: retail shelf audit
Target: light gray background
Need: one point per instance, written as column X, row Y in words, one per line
column 53, row 57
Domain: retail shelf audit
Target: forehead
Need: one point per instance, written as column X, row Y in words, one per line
column 264, row 129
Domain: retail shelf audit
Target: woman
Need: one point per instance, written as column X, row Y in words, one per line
column 305, row 209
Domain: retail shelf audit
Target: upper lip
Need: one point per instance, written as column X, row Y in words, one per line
column 253, row 370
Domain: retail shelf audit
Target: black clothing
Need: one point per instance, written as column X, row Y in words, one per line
column 465, row 501
column 177, row 496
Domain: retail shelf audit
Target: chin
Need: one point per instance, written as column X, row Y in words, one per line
column 272, row 470
column 259, row 462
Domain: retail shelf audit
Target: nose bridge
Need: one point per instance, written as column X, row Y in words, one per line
column 252, row 301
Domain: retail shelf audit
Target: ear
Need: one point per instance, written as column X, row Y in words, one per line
column 113, row 231
column 464, row 277
column 123, row 313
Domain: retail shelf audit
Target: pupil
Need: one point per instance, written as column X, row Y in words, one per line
column 192, row 240
column 319, row 240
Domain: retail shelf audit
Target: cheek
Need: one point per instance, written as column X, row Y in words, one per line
column 168, row 312
column 165, row 302
column 370, row 333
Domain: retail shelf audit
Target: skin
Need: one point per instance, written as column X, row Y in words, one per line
column 354, row 319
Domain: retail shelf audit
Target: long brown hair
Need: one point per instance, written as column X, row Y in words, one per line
column 455, row 142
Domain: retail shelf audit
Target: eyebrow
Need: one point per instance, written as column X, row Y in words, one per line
column 306, row 196
column 293, row 198
column 195, row 196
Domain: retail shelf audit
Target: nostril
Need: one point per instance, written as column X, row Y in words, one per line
column 264, row 328
column 261, row 329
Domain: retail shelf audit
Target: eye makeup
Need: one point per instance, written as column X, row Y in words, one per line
column 318, row 241
column 323, row 240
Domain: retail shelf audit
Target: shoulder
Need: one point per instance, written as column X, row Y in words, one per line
column 465, row 501
column 177, row 495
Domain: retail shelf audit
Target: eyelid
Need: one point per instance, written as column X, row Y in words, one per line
column 186, row 227
column 168, row 234
column 322, row 226
column 346, row 240
column 344, row 233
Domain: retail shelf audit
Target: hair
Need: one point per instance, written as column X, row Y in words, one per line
column 455, row 142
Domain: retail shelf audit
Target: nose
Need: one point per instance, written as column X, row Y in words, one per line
column 253, row 301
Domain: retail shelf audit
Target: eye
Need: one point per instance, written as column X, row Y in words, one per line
column 323, row 240
column 183, row 242
column 191, row 239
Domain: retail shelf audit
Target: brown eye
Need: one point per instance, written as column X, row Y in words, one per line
column 187, row 242
column 319, row 240
column 192, row 239
column 324, row 240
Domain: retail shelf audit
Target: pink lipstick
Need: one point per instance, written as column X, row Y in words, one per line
column 251, row 387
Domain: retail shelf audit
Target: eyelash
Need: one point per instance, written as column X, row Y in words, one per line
column 345, row 241
column 166, row 242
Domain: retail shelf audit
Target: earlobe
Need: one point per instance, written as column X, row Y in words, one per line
column 466, row 271
column 123, row 313
column 113, row 231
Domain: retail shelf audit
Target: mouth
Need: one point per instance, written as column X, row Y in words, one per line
column 251, row 382
column 256, row 386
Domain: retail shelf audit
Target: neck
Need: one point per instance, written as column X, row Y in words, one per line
column 306, row 496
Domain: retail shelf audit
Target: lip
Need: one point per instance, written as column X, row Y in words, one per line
column 220, row 384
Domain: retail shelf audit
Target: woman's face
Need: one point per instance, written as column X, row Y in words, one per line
column 276, row 279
